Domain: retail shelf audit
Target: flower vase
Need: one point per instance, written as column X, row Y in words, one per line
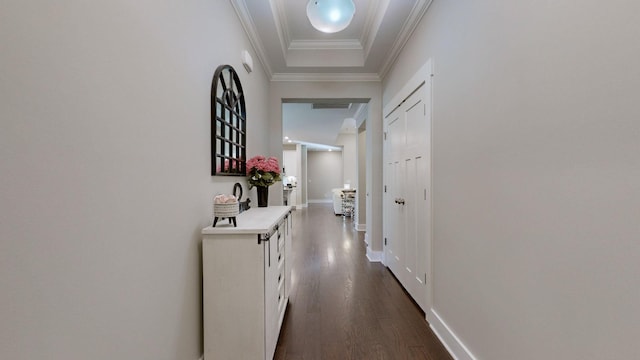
column 263, row 196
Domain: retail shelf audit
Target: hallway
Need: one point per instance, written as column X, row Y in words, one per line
column 344, row 307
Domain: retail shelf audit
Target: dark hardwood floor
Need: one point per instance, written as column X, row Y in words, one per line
column 344, row 307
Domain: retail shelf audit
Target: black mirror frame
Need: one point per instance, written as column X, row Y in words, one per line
column 233, row 133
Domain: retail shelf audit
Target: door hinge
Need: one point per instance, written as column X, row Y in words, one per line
column 425, row 194
column 385, row 188
column 385, row 241
column 425, row 278
column 385, row 135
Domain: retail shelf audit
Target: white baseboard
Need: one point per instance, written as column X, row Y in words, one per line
column 361, row 227
column 374, row 256
column 448, row 338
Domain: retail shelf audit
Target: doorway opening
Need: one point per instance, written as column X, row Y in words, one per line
column 324, row 153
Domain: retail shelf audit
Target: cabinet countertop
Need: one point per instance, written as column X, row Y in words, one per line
column 253, row 221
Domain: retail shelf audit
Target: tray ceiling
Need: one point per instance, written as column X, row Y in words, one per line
column 289, row 48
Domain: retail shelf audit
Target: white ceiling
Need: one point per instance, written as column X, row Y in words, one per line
column 318, row 129
column 289, row 48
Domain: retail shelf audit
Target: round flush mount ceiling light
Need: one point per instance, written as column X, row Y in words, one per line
column 330, row 16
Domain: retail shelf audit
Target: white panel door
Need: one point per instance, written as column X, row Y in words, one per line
column 395, row 140
column 407, row 201
column 396, row 135
column 389, row 215
column 395, row 238
column 399, row 242
column 417, row 145
column 417, row 231
column 423, row 230
column 416, row 124
column 408, row 208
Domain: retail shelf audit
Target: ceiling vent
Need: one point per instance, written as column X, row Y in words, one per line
column 317, row 106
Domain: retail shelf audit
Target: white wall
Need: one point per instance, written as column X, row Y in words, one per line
column 324, row 173
column 292, row 160
column 105, row 173
column 535, row 174
column 349, row 157
column 361, row 198
column 289, row 160
column 304, row 189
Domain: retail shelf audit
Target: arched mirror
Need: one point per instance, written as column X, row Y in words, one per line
column 228, row 124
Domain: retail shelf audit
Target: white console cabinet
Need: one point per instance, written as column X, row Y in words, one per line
column 246, row 280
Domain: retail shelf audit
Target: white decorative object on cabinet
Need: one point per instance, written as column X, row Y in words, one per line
column 246, row 280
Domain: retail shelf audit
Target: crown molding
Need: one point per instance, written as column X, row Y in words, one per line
column 360, row 112
column 338, row 44
column 249, row 27
column 280, row 20
column 326, row 77
column 368, row 23
column 409, row 26
column 372, row 25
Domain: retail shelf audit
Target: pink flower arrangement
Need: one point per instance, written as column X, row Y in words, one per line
column 263, row 171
